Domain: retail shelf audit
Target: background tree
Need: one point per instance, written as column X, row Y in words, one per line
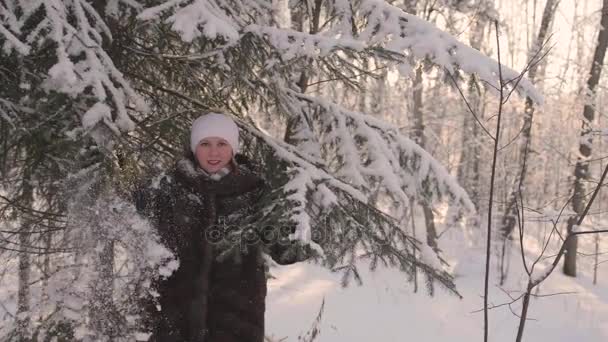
column 581, row 169
column 536, row 57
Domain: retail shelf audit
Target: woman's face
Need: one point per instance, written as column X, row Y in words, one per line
column 213, row 153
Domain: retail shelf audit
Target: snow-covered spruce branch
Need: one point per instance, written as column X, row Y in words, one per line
column 335, row 215
column 77, row 293
column 368, row 152
column 387, row 30
column 116, row 256
column 82, row 67
column 82, row 64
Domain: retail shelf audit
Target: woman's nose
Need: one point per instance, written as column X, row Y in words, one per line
column 213, row 150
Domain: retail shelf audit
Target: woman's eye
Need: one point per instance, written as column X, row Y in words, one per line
column 221, row 143
column 204, row 143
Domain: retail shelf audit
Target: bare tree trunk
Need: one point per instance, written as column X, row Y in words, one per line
column 581, row 169
column 468, row 167
column 524, row 314
column 23, row 294
column 4, row 147
column 378, row 96
column 281, row 13
column 419, row 138
column 364, row 94
column 295, row 123
column 414, row 267
column 46, row 266
column 509, row 218
column 596, row 258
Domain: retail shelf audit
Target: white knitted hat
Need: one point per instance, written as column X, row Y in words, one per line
column 214, row 125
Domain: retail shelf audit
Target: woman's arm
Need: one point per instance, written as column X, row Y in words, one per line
column 154, row 200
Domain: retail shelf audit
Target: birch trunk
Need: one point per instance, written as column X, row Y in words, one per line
column 581, row 169
column 510, row 218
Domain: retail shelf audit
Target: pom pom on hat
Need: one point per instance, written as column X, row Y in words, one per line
column 214, row 125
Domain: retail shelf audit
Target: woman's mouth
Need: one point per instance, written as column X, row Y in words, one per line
column 213, row 162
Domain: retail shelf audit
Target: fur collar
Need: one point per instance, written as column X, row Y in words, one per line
column 232, row 184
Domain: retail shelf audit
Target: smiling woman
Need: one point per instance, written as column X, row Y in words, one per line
column 214, row 140
column 218, row 292
column 213, row 154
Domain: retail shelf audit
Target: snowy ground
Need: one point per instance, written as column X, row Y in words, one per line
column 386, row 309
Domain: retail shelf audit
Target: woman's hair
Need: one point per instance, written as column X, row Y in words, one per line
column 235, row 166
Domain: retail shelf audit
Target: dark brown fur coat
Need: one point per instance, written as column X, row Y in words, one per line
column 218, row 292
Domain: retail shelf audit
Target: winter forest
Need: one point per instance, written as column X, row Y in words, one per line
column 442, row 162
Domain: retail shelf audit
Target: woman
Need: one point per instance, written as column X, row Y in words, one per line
column 218, row 292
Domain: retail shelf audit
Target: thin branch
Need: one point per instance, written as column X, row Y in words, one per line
column 580, row 221
column 470, row 108
column 492, row 177
column 520, row 226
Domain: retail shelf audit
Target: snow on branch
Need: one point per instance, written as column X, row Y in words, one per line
column 329, row 194
column 371, row 152
column 337, row 219
column 387, row 29
column 206, row 18
column 306, row 179
column 13, row 42
column 82, row 66
column 402, row 32
column 101, row 225
column 293, row 44
column 9, row 110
